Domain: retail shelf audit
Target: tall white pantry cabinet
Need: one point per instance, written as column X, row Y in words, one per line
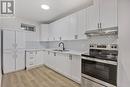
column 13, row 51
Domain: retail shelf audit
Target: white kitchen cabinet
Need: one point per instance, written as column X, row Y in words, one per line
column 20, row 40
column 93, row 16
column 44, row 32
column 8, row 61
column 46, row 57
column 81, row 23
column 108, row 13
column 102, row 14
column 73, row 31
column 63, row 64
column 8, row 40
column 55, row 30
column 64, row 27
column 60, row 29
column 39, row 58
column 13, row 51
column 20, row 59
column 68, row 65
column 34, row 58
column 30, row 59
column 76, row 68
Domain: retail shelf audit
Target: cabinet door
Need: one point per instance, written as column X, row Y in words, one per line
column 82, row 23
column 76, row 68
column 44, row 32
column 93, row 16
column 64, row 64
column 64, row 27
column 20, row 59
column 108, row 13
column 8, row 40
column 8, row 61
column 45, row 57
column 30, row 59
column 73, row 31
column 39, row 58
column 20, row 40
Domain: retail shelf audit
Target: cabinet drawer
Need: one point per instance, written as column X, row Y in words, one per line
column 31, row 53
column 89, row 83
column 31, row 58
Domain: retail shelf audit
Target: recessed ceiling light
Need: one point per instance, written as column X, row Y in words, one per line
column 45, row 7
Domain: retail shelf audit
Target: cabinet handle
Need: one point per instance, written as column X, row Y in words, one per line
column 31, row 57
column 54, row 54
column 36, row 52
column 70, row 57
column 48, row 53
column 100, row 25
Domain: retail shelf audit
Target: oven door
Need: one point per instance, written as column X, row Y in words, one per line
column 101, row 71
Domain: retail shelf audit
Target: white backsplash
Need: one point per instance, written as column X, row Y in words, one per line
column 79, row 45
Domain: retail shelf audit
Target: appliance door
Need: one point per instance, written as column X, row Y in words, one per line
column 101, row 71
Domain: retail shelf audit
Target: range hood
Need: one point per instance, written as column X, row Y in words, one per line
column 102, row 32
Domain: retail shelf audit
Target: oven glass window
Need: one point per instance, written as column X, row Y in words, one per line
column 101, row 71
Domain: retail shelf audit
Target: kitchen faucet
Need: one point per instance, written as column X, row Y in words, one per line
column 61, row 44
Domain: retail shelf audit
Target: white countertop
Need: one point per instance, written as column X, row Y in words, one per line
column 73, row 52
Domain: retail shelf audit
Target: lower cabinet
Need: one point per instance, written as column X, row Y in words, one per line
column 68, row 65
column 76, row 68
column 34, row 58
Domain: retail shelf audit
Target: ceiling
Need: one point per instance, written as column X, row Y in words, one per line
column 31, row 9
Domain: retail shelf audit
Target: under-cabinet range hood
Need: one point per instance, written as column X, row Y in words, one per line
column 102, row 32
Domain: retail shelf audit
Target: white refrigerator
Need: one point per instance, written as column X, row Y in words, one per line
column 13, row 50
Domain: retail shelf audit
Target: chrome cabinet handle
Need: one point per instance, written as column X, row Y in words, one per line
column 70, row 57
column 54, row 54
column 100, row 25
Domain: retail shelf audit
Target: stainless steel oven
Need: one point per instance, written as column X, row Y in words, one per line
column 100, row 65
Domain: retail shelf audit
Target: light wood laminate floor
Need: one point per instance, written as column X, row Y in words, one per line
column 38, row 77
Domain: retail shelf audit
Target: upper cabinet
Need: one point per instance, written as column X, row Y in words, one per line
column 44, row 32
column 102, row 14
column 93, row 16
column 108, row 13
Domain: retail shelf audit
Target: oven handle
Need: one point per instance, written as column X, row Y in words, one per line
column 101, row 61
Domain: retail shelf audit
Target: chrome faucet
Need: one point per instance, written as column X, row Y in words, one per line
column 61, row 43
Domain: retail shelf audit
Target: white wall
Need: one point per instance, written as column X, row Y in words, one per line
column 124, row 43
